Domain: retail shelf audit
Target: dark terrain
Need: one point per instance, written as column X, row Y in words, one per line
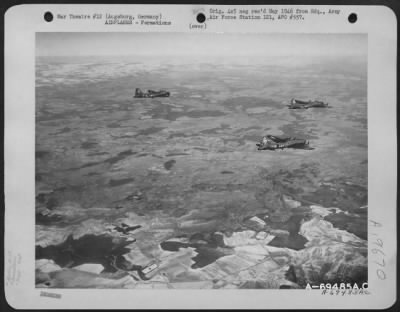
column 185, row 174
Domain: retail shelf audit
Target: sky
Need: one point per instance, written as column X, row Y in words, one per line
column 198, row 44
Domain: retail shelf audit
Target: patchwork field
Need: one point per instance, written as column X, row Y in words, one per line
column 122, row 183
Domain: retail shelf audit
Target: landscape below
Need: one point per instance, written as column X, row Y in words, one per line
column 177, row 183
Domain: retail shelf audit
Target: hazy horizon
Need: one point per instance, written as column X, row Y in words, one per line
column 200, row 45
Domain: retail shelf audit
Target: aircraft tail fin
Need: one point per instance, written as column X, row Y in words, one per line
column 138, row 92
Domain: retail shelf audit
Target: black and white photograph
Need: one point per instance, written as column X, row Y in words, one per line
column 167, row 160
